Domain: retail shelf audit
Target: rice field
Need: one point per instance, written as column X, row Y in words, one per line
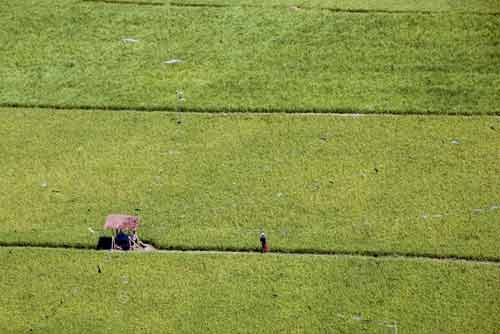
column 75, row 54
column 363, row 137
column 419, row 185
column 53, row 291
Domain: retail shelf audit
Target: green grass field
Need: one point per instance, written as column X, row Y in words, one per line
column 421, row 185
column 71, row 54
column 246, row 135
column 47, row 291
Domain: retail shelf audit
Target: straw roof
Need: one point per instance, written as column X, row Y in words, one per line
column 121, row 222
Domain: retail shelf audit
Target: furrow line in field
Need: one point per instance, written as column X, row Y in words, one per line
column 118, row 2
column 295, row 8
column 403, row 12
column 279, row 252
column 337, row 10
column 248, row 111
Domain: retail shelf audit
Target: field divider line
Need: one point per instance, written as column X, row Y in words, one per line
column 336, row 9
column 118, row 2
column 405, row 12
column 247, row 111
column 383, row 255
column 299, row 8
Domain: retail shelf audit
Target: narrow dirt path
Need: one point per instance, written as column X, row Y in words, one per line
column 337, row 255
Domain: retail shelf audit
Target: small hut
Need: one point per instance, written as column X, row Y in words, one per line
column 124, row 229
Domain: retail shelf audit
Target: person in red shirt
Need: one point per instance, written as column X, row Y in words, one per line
column 263, row 241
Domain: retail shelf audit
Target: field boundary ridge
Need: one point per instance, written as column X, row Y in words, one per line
column 246, row 111
column 296, row 8
column 415, row 256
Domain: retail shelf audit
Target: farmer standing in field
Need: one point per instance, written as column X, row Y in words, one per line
column 263, row 241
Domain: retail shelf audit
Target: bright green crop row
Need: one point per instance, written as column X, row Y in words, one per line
column 61, row 291
column 407, row 184
column 73, row 53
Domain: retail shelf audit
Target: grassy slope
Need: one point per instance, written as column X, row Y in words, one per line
column 71, row 53
column 60, row 292
column 475, row 6
column 324, row 183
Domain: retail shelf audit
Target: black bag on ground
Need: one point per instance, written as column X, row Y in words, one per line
column 104, row 243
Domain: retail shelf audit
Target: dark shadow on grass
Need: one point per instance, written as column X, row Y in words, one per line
column 232, row 110
column 63, row 245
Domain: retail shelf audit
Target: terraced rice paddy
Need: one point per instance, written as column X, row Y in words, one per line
column 188, row 293
column 362, row 137
column 73, row 54
column 420, row 185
